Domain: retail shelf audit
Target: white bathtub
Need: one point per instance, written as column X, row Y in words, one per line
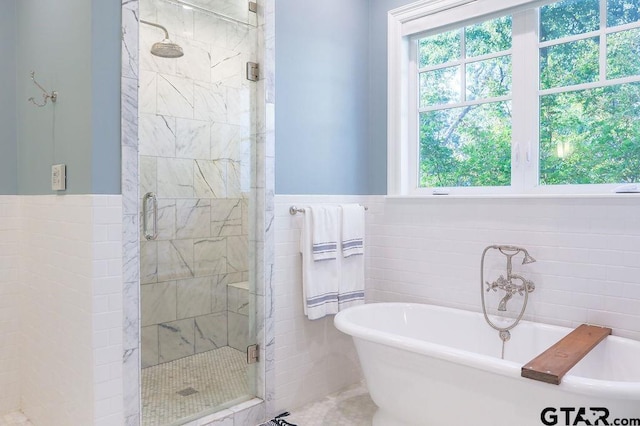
column 436, row 366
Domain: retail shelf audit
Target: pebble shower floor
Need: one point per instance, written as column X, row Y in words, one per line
column 192, row 385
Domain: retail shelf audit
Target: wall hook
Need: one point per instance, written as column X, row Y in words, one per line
column 45, row 95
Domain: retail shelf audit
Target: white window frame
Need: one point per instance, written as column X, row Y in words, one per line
column 409, row 23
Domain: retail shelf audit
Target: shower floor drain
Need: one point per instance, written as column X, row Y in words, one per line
column 188, row 391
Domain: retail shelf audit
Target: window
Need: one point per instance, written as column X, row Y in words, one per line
column 464, row 112
column 517, row 100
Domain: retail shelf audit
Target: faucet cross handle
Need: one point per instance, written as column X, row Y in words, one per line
column 530, row 286
column 500, row 283
column 527, row 286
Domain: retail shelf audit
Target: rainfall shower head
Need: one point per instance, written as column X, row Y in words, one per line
column 165, row 48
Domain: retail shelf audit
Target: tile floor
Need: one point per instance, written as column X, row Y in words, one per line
column 192, row 385
column 350, row 407
column 14, row 419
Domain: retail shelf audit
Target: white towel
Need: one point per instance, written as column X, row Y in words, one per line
column 320, row 279
column 351, row 291
column 352, row 229
column 325, row 231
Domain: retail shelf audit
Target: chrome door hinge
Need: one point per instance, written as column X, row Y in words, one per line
column 253, row 7
column 253, row 354
column 253, row 71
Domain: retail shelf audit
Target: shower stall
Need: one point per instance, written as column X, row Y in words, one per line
column 197, row 147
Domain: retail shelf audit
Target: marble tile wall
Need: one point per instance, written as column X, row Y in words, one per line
column 232, row 8
column 196, row 124
column 260, row 216
column 238, row 315
column 9, row 301
column 262, row 318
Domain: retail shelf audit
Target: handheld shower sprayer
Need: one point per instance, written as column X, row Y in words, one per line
column 515, row 250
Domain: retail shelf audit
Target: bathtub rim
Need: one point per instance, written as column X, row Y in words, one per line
column 570, row 383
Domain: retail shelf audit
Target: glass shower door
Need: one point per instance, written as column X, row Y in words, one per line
column 196, row 133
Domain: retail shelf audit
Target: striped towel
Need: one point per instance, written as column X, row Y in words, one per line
column 352, row 229
column 351, row 289
column 324, row 232
column 320, row 280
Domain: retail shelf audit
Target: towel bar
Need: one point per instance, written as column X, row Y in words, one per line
column 293, row 210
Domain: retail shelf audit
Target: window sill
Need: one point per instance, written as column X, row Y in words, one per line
column 615, row 196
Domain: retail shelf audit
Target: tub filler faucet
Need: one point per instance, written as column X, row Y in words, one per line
column 513, row 283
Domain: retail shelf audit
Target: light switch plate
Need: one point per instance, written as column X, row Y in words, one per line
column 58, row 177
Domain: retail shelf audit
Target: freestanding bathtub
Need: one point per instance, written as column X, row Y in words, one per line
column 437, row 366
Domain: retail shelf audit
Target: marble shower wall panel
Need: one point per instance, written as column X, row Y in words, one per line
column 261, row 315
column 238, row 309
column 196, row 123
column 130, row 353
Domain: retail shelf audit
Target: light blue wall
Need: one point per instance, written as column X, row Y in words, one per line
column 377, row 160
column 331, row 96
column 73, row 45
column 8, row 153
column 322, row 133
column 106, row 66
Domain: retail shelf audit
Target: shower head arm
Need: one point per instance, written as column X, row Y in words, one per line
column 166, row 33
column 165, row 48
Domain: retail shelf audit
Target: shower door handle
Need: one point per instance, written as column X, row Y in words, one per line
column 150, row 197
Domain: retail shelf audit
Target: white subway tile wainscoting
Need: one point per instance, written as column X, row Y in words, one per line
column 428, row 251
column 61, row 259
column 305, row 351
column 587, row 252
column 10, row 294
